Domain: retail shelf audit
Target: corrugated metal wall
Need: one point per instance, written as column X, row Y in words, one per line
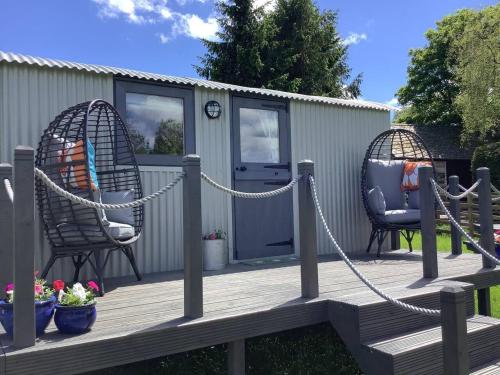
column 336, row 139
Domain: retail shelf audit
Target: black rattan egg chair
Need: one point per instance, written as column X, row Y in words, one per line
column 87, row 150
column 392, row 148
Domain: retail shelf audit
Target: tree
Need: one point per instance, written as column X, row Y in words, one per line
column 169, row 138
column 235, row 58
column 478, row 72
column 432, row 87
column 293, row 47
column 304, row 53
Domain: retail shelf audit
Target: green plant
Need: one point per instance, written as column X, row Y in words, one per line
column 78, row 295
column 217, row 234
column 42, row 291
column 488, row 156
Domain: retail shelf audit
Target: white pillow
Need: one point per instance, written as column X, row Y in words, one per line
column 376, row 200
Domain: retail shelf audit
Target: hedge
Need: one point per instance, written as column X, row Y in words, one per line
column 488, row 156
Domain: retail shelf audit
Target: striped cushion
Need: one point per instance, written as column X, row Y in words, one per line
column 76, row 175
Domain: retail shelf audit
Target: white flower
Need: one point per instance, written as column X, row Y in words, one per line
column 61, row 295
column 79, row 291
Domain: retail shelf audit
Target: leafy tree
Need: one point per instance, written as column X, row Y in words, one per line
column 304, row 53
column 236, row 58
column 293, row 47
column 169, row 138
column 138, row 141
column 432, row 87
column 478, row 72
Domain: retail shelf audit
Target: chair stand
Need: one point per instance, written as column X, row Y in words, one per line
column 380, row 235
column 408, row 235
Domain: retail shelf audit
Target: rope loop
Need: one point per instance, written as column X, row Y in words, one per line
column 460, row 196
column 107, row 206
column 8, row 189
column 241, row 194
column 363, row 278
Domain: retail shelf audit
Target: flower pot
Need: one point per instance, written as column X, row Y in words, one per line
column 497, row 250
column 43, row 314
column 75, row 319
column 214, row 255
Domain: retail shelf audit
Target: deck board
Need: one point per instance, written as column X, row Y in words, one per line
column 141, row 320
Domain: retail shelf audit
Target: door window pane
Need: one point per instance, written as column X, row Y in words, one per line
column 259, row 136
column 155, row 124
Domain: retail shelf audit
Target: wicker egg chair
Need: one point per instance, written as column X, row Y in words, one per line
column 391, row 148
column 87, row 150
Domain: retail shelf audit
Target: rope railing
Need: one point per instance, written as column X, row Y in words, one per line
column 357, row 272
column 493, row 189
column 465, row 193
column 458, row 227
column 8, row 189
column 107, row 206
column 241, row 194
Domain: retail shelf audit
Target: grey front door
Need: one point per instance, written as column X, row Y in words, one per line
column 261, row 162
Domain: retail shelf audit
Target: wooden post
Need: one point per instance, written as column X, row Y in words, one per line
column 193, row 258
column 428, row 222
column 485, row 215
column 484, row 302
column 236, row 357
column 456, row 238
column 6, row 229
column 307, row 231
column 470, row 217
column 24, row 246
column 395, row 240
column 454, row 331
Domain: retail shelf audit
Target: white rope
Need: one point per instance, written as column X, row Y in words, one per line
column 107, row 206
column 493, row 188
column 241, row 194
column 460, row 196
column 368, row 283
column 8, row 189
column 471, row 193
column 459, row 228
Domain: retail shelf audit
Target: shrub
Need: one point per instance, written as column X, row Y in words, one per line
column 488, row 156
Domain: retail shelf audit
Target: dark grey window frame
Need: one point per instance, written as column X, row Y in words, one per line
column 122, row 86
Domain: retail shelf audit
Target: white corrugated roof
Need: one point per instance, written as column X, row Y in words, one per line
column 101, row 69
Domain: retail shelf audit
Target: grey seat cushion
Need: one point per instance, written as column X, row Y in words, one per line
column 376, row 201
column 387, row 174
column 414, row 199
column 409, row 216
column 120, row 231
column 83, row 234
column 125, row 215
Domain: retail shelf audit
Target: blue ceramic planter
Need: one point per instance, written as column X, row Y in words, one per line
column 75, row 319
column 497, row 249
column 43, row 314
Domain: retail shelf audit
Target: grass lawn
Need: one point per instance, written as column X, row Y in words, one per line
column 444, row 245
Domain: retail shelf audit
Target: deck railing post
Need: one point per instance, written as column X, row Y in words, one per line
column 236, row 357
column 24, row 246
column 454, row 331
column 6, row 229
column 307, row 232
column 428, row 222
column 485, row 215
column 456, row 238
column 193, row 261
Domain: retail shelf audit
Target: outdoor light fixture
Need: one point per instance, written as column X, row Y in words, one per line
column 213, row 109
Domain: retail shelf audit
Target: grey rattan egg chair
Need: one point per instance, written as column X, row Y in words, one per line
column 87, row 150
column 383, row 168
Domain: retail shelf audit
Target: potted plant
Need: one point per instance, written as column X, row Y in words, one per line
column 214, row 250
column 497, row 243
column 75, row 309
column 44, row 307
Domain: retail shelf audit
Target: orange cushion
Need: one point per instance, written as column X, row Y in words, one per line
column 75, row 175
column 410, row 174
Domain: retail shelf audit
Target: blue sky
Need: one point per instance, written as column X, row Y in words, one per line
column 161, row 35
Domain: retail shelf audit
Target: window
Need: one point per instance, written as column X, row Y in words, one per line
column 159, row 119
column 259, row 136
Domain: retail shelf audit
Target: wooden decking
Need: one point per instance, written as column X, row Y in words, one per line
column 142, row 320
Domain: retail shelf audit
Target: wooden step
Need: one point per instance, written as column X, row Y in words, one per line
column 492, row 368
column 420, row 352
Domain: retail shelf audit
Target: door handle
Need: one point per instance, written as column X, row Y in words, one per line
column 242, row 168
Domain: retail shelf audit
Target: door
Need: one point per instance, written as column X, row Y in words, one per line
column 261, row 162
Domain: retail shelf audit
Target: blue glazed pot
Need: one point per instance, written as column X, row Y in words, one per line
column 43, row 314
column 75, row 319
column 497, row 249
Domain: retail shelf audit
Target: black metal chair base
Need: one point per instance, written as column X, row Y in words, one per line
column 381, row 234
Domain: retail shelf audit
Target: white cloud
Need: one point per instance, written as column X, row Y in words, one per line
column 394, row 103
column 163, row 38
column 195, row 27
column 354, row 38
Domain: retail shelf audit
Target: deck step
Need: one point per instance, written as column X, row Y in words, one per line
column 420, row 352
column 492, row 368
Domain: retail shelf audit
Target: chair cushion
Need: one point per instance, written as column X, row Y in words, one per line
column 408, row 216
column 376, row 200
column 410, row 174
column 126, row 215
column 120, row 231
column 414, row 199
column 84, row 234
column 387, row 175
column 76, row 175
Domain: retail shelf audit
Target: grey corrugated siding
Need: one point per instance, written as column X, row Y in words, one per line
column 336, row 140
column 107, row 70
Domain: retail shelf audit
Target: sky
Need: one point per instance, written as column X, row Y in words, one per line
column 162, row 36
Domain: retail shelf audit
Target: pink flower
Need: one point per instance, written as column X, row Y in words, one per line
column 92, row 285
column 212, row 236
column 38, row 289
column 9, row 288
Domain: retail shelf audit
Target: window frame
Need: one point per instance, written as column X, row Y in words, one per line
column 124, row 86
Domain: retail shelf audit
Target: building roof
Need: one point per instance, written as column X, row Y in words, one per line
column 120, row 72
column 443, row 141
